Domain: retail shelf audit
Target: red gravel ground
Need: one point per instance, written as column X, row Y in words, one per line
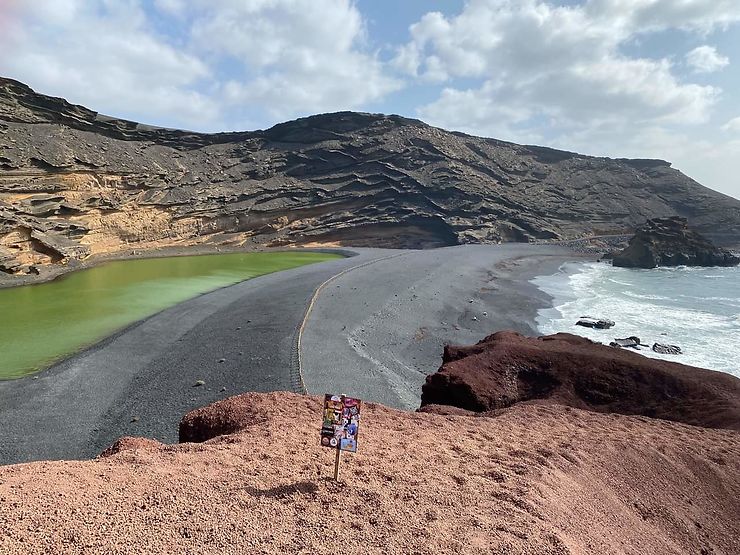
column 537, row 479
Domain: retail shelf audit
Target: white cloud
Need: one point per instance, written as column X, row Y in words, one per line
column 732, row 125
column 536, row 60
column 303, row 55
column 171, row 7
column 706, row 59
column 655, row 15
column 128, row 69
column 204, row 64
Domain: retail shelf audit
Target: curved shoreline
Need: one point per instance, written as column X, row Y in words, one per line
column 238, row 338
column 53, row 272
column 73, row 410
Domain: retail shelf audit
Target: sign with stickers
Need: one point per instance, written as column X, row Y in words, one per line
column 341, row 422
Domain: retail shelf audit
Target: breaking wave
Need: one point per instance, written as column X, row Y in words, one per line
column 695, row 308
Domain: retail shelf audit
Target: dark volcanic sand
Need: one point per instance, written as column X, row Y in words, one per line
column 140, row 382
column 378, row 332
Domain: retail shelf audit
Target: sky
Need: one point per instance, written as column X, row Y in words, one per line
column 620, row 78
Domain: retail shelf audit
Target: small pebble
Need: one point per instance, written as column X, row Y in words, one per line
column 199, row 383
column 134, row 419
column 221, row 360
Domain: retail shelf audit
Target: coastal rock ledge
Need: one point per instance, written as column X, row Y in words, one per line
column 507, row 368
column 670, row 242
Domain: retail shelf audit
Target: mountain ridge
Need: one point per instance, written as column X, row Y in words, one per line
column 75, row 183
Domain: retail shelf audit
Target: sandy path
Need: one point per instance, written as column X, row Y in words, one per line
column 377, row 333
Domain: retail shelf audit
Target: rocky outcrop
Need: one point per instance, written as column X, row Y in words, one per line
column 507, row 368
column 106, row 185
column 221, row 418
column 664, row 349
column 596, row 323
column 670, row 242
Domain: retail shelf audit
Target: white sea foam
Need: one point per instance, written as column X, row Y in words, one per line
column 695, row 308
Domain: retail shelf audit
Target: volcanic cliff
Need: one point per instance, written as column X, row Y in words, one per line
column 670, row 242
column 74, row 182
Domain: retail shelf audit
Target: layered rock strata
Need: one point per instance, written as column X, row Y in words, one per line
column 75, row 183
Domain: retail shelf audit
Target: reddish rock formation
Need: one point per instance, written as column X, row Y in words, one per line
column 128, row 443
column 221, row 418
column 507, row 368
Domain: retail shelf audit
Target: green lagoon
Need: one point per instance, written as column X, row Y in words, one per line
column 39, row 324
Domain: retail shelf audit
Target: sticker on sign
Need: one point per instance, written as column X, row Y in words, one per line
column 341, row 422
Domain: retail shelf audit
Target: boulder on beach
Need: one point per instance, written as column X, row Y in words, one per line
column 670, row 242
column 596, row 323
column 666, row 349
column 631, row 342
column 507, row 368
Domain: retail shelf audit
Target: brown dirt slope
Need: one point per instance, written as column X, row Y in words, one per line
column 537, row 479
column 507, row 368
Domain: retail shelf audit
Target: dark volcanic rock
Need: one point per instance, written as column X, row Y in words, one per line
column 670, row 242
column 108, row 184
column 507, row 368
column 632, row 341
column 666, row 349
column 597, row 323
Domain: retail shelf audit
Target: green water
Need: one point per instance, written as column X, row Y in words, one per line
column 42, row 323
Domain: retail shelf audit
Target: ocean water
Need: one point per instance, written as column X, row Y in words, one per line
column 697, row 309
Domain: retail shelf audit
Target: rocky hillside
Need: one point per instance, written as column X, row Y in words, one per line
column 74, row 183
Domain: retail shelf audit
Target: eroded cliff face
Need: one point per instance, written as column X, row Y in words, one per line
column 74, row 183
column 670, row 242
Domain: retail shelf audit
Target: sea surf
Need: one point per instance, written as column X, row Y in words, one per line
column 696, row 308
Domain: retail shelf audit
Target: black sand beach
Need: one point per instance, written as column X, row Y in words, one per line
column 383, row 323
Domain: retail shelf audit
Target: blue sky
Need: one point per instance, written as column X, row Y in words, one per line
column 631, row 78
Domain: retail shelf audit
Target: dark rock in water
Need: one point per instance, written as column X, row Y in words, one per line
column 666, row 349
column 507, row 368
column 670, row 242
column 598, row 323
column 632, row 341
